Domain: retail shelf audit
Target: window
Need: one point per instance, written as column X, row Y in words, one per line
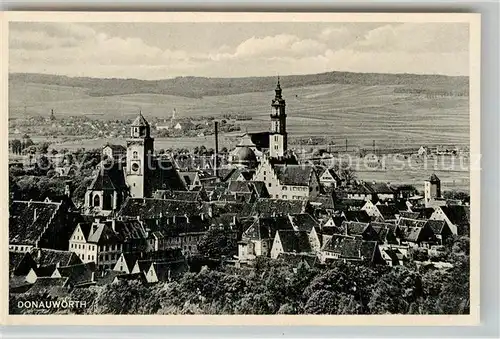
column 97, row 200
column 264, row 173
column 284, row 196
column 135, row 154
column 88, row 257
column 269, row 184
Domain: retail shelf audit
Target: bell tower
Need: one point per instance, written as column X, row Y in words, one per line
column 139, row 158
column 278, row 135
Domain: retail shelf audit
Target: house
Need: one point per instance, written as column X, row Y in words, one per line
column 298, row 260
column 323, row 205
column 126, row 262
column 423, row 151
column 386, row 233
column 288, row 181
column 381, row 212
column 20, row 264
column 181, row 232
column 328, row 178
column 102, row 242
column 417, row 236
column 441, row 230
column 306, row 223
column 194, row 195
column 47, row 260
column 166, row 271
column 79, row 275
column 43, row 224
column 457, row 217
column 160, row 209
column 370, row 191
column 257, row 240
column 359, row 216
column 359, row 230
column 277, row 207
column 51, row 287
column 290, row 241
column 351, row 249
column 22, row 283
column 393, row 256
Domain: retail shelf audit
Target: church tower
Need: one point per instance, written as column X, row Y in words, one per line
column 139, row 159
column 278, row 135
column 432, row 190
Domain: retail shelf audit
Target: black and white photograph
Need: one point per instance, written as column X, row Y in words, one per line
column 242, row 167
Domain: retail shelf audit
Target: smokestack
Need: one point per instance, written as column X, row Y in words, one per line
column 216, row 162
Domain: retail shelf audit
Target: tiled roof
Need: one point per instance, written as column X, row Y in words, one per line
column 78, row 274
column 181, row 195
column 457, row 214
column 388, row 211
column 156, row 208
column 425, row 212
column 188, row 176
column 411, row 234
column 182, row 225
column 433, row 178
column 271, row 207
column 406, row 222
column 350, row 248
column 265, row 228
column 170, row 270
column 28, row 220
column 15, row 259
column 239, row 186
column 379, row 188
column 296, row 259
column 112, row 178
column 49, row 286
column 116, row 148
column 409, row 215
column 165, row 176
column 436, row 226
column 140, row 121
column 304, row 222
column 324, row 201
column 359, row 216
column 124, row 231
column 260, row 189
column 294, row 241
column 354, row 228
column 48, row 257
column 294, row 175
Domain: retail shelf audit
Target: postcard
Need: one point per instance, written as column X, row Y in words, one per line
column 240, row 168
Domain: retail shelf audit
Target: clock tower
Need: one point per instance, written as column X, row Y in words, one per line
column 139, row 159
column 278, row 135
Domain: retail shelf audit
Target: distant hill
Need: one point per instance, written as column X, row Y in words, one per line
column 198, row 87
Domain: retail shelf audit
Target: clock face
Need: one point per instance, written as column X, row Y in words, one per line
column 135, row 167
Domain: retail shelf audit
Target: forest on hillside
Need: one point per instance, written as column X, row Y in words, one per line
column 198, row 87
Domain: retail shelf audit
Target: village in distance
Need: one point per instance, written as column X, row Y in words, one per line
column 249, row 222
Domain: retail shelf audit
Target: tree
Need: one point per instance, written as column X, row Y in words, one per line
column 217, row 243
column 16, row 146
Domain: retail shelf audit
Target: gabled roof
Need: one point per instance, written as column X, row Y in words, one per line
column 109, row 178
column 437, row 226
column 294, row 241
column 169, row 270
column 409, row 215
column 116, row 147
column 388, row 211
column 323, row 201
column 48, row 257
column 457, row 214
column 296, row 259
column 124, row 231
column 79, row 274
column 260, row 188
column 165, row 176
column 425, row 212
column 354, row 228
column 266, row 227
column 28, row 220
column 239, row 187
column 350, row 248
column 412, row 234
column 16, row 258
column 304, row 222
column 359, row 216
column 199, row 195
column 379, row 187
column 406, row 222
column 49, row 286
column 294, row 175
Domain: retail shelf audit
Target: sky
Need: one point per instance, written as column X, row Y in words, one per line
column 165, row 50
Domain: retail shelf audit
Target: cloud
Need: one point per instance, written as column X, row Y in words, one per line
column 416, row 37
column 79, row 50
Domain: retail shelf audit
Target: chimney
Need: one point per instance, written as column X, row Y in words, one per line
column 38, row 253
column 34, row 214
column 216, row 163
column 234, row 219
column 92, row 277
column 113, row 224
column 187, row 218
